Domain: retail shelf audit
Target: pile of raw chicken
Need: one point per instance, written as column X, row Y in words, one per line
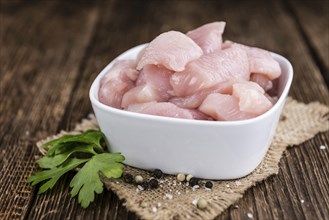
column 194, row 76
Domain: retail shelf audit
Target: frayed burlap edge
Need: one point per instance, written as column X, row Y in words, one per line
column 173, row 200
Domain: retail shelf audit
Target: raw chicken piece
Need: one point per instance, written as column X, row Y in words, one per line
column 165, row 109
column 141, row 78
column 260, row 61
column 223, row 108
column 221, row 68
column 190, row 102
column 195, row 100
column 139, row 94
column 121, row 68
column 251, row 97
column 172, row 50
column 152, row 85
column 116, row 82
column 158, row 78
column 262, row 80
column 208, row 36
column 198, row 115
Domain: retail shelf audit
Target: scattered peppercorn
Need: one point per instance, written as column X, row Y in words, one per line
column 154, row 184
column 208, row 184
column 188, row 177
column 194, row 181
column 144, row 204
column 145, row 185
column 157, row 173
column 128, row 178
column 180, row 177
column 202, row 204
column 139, row 179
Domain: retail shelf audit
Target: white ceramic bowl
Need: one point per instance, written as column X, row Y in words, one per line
column 205, row 149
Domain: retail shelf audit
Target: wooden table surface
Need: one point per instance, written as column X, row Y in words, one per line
column 52, row 50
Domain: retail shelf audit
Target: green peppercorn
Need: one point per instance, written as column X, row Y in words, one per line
column 157, row 173
column 188, row 177
column 181, row 177
column 154, row 184
column 139, row 179
column 144, row 204
column 128, row 178
column 202, row 204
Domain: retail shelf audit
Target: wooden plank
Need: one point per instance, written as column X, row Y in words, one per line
column 279, row 198
column 40, row 57
column 312, row 17
column 112, row 39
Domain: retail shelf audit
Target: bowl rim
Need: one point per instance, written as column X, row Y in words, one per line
column 93, row 93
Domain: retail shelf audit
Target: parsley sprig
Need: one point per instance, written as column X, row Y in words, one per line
column 84, row 151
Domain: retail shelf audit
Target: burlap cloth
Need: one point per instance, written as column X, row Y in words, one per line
column 173, row 200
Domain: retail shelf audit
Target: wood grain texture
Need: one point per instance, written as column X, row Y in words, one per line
column 312, row 18
column 51, row 51
column 39, row 65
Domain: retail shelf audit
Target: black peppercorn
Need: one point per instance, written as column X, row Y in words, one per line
column 194, row 181
column 145, row 185
column 208, row 184
column 157, row 173
column 128, row 178
column 154, row 184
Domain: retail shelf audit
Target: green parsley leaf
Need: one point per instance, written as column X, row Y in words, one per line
column 54, row 174
column 89, row 137
column 48, row 162
column 83, row 150
column 87, row 181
